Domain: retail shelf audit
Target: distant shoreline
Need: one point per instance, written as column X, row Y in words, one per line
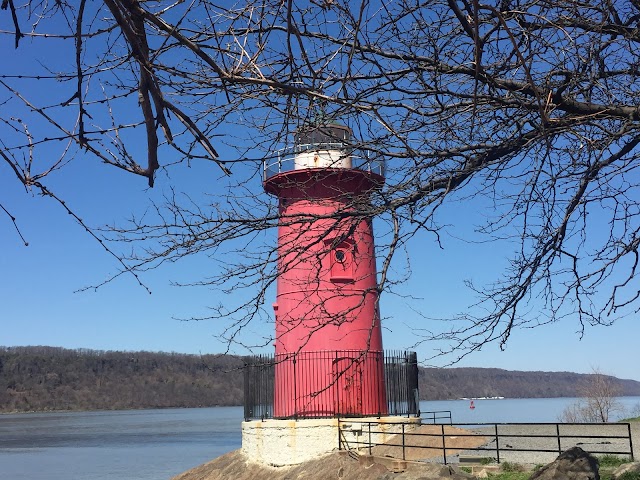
column 107, row 410
column 491, row 398
column 51, row 379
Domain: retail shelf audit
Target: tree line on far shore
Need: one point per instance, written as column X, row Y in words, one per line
column 51, row 378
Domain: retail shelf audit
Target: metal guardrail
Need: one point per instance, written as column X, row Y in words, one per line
column 434, row 416
column 562, row 436
column 401, row 383
column 299, row 371
column 285, row 159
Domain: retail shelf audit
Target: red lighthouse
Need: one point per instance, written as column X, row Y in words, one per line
column 328, row 349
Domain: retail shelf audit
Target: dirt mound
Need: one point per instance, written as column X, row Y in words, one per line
column 339, row 465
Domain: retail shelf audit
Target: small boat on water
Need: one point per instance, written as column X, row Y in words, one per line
column 472, row 405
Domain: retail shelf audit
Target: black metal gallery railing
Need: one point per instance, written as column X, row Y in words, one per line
column 336, row 383
column 285, row 160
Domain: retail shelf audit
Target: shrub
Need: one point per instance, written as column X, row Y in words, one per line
column 509, row 476
column 611, row 460
column 511, row 467
column 631, row 419
column 629, row 476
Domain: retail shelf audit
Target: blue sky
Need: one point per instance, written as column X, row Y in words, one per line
column 40, row 305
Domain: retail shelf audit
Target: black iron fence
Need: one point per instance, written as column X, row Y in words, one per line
column 401, row 380
column 437, row 417
column 485, row 441
column 259, row 375
column 337, row 383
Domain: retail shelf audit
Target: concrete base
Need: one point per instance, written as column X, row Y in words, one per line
column 280, row 443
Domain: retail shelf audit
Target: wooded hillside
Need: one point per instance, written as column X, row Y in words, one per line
column 51, row 378
column 445, row 383
column 48, row 378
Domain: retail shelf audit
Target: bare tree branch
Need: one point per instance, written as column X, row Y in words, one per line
column 529, row 106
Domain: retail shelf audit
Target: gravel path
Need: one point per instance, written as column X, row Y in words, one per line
column 598, row 439
column 425, row 442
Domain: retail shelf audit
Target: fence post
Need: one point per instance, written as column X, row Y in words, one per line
column 558, row 437
column 247, row 397
column 497, row 443
column 295, row 392
column 444, row 447
column 403, row 443
column 369, row 423
column 630, row 441
column 380, row 392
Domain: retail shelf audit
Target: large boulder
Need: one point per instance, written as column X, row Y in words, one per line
column 633, row 467
column 574, row 464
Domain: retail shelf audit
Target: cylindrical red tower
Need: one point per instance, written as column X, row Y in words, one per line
column 329, row 358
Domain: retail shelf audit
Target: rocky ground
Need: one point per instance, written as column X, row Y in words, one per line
column 379, row 466
column 339, row 466
column 515, row 440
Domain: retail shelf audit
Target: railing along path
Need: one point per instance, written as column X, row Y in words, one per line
column 495, row 441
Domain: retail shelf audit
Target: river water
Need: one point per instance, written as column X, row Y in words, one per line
column 120, row 445
column 516, row 410
column 158, row 444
